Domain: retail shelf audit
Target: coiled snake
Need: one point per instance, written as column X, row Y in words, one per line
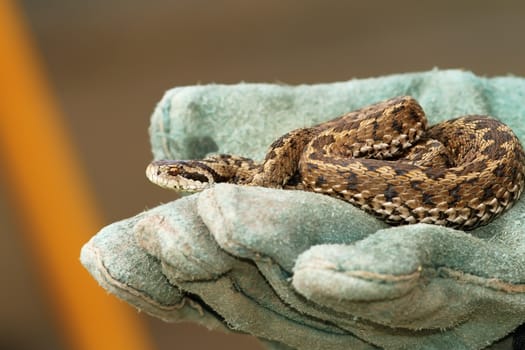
column 384, row 159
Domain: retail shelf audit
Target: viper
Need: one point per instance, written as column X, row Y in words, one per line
column 385, row 159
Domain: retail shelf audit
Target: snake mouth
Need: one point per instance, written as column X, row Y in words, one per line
column 179, row 176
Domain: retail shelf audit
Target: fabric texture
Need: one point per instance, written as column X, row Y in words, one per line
column 302, row 270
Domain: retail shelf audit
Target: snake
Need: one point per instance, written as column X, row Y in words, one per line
column 383, row 158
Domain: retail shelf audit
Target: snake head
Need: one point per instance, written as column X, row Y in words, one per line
column 180, row 175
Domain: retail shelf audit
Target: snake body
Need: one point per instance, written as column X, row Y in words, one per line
column 383, row 158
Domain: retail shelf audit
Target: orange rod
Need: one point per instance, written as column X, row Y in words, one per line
column 50, row 191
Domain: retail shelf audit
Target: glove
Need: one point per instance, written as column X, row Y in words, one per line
column 301, row 270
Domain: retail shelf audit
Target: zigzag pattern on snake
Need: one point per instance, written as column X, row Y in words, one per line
column 384, row 159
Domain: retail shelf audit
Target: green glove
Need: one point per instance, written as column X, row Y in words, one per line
column 303, row 270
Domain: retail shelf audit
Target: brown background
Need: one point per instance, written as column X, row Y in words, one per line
column 110, row 62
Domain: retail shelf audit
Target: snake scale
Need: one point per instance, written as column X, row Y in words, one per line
column 384, row 159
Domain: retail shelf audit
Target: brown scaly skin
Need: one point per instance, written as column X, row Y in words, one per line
column 382, row 158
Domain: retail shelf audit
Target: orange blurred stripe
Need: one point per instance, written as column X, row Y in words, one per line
column 50, row 190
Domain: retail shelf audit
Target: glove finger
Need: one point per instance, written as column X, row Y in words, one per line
column 414, row 277
column 175, row 234
column 122, row 267
column 255, row 222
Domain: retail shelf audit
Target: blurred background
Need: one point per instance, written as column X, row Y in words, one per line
column 106, row 63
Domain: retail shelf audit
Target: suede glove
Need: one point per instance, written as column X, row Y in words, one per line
column 301, row 270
